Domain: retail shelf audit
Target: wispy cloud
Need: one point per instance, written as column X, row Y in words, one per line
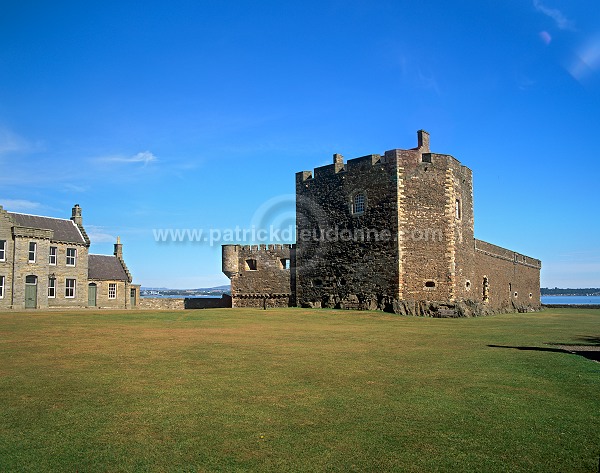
column 11, row 142
column 18, row 205
column 562, row 22
column 99, row 234
column 69, row 188
column 144, row 157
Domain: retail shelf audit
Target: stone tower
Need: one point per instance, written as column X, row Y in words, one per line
column 392, row 232
column 383, row 229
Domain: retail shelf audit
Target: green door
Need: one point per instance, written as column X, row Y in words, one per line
column 31, row 292
column 92, row 295
column 132, row 297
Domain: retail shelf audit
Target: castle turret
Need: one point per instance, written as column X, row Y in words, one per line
column 230, row 261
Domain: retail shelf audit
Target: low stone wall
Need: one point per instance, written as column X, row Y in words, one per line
column 180, row 303
column 208, row 302
column 157, row 303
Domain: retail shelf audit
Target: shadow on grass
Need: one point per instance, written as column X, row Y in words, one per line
column 572, row 349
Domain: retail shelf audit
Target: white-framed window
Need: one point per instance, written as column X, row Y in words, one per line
column 70, row 285
column 32, row 251
column 51, row 288
column 71, row 256
column 359, row 203
column 52, row 255
column 1, row 287
column 112, row 290
column 2, row 250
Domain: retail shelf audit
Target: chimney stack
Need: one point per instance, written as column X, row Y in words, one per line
column 423, row 141
column 76, row 215
column 119, row 249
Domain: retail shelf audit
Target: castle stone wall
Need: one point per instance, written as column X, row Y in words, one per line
column 347, row 258
column 261, row 275
column 513, row 279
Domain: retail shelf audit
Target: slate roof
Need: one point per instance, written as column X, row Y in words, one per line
column 64, row 230
column 104, row 267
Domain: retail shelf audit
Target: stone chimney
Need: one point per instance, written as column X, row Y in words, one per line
column 338, row 159
column 76, row 215
column 423, row 141
column 119, row 249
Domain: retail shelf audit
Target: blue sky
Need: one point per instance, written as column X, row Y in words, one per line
column 196, row 115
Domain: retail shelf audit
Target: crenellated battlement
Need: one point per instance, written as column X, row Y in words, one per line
column 391, row 158
column 263, row 247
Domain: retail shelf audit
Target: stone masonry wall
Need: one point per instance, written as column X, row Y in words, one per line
column 513, row 280
column 261, row 275
column 6, row 269
column 42, row 270
column 347, row 258
column 121, row 301
column 436, row 244
column 156, row 303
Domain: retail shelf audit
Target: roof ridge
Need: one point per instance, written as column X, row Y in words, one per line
column 40, row 216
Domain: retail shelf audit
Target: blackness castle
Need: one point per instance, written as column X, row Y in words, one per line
column 392, row 232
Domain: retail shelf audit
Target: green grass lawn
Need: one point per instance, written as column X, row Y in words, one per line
column 297, row 390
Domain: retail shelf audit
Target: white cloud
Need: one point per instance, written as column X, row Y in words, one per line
column 99, row 234
column 142, row 157
column 562, row 22
column 19, row 205
column 11, row 142
column 74, row 188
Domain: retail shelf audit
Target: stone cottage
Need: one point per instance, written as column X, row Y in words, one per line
column 45, row 263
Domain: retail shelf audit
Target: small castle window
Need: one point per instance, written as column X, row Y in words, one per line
column 430, row 284
column 359, row 204
column 317, row 283
column 457, row 209
column 468, row 285
column 516, row 294
column 486, row 289
column 250, row 265
column 531, row 295
column 285, row 263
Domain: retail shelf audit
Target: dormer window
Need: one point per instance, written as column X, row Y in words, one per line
column 359, row 203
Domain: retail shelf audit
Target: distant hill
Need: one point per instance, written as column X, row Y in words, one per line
column 202, row 291
column 590, row 291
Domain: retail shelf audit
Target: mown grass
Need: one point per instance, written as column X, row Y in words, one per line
column 296, row 390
